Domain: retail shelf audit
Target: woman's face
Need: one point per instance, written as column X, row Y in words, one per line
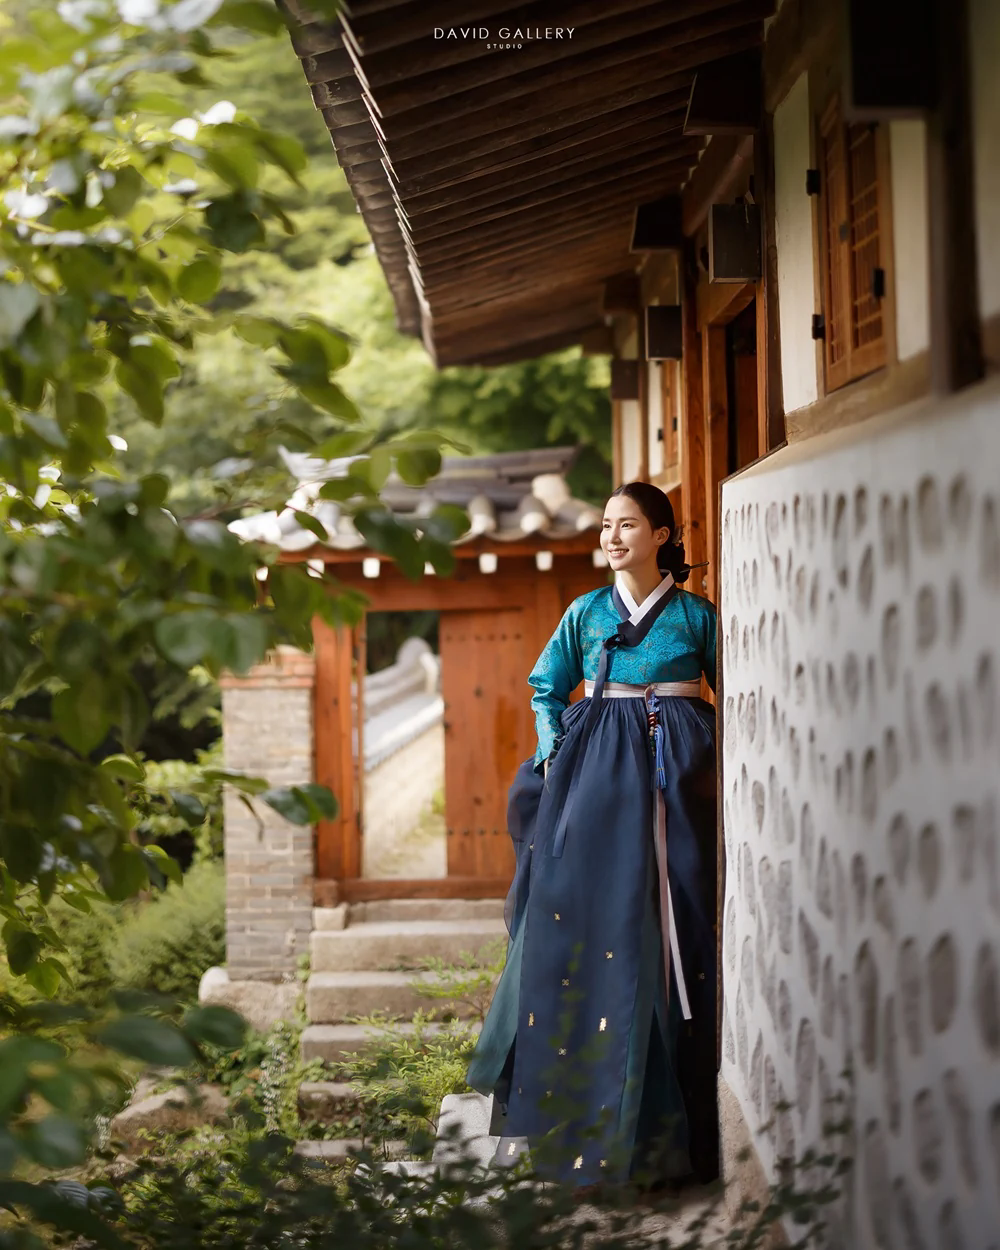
column 628, row 540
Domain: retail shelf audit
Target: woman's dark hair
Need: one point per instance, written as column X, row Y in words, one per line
column 655, row 507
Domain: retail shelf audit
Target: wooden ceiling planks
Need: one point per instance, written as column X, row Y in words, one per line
column 499, row 187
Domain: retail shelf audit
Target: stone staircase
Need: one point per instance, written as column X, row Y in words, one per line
column 365, row 957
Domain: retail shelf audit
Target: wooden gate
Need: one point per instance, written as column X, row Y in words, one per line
column 492, row 628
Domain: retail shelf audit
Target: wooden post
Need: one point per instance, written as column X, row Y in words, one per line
column 956, row 336
column 716, row 418
column 338, row 842
column 770, row 405
column 692, row 434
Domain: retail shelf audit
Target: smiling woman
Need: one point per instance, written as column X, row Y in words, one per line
column 600, row 1043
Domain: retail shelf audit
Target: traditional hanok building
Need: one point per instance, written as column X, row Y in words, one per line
column 782, row 222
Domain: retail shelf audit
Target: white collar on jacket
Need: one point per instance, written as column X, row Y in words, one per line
column 638, row 611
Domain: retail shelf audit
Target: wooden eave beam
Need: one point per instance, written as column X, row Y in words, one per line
column 435, row 98
column 371, row 33
column 639, row 169
column 598, row 200
column 428, row 174
column 572, row 237
column 800, row 31
column 622, row 293
column 458, row 148
column 722, row 164
column 726, row 96
column 598, row 23
column 561, row 163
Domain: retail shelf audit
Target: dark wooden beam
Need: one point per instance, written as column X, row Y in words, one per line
column 716, row 416
column 547, row 111
column 800, row 31
column 600, row 341
column 571, row 240
column 723, row 163
column 622, row 293
column 617, row 143
column 370, row 32
column 598, row 24
column 692, row 428
column 596, row 200
column 726, row 96
column 956, row 335
column 428, row 174
column 486, row 136
column 434, row 98
column 327, row 893
column 657, row 225
column 549, row 195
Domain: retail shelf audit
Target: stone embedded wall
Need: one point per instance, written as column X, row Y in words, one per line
column 267, row 719
column 859, row 624
column 397, row 791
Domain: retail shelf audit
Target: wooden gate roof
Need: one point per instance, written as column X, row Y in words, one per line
column 499, row 186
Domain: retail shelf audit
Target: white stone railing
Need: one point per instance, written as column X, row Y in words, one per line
column 417, row 670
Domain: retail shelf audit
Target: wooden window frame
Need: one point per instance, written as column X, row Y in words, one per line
column 837, row 288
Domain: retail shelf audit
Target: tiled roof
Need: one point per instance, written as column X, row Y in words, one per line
column 508, row 495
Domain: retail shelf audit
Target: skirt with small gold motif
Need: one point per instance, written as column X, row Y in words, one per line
column 592, row 1065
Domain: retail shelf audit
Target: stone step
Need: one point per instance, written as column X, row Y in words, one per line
column 340, row 1149
column 426, row 909
column 397, row 944
column 338, row 997
column 325, row 1100
column 333, row 1042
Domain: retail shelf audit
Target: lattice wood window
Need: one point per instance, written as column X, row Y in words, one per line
column 852, row 200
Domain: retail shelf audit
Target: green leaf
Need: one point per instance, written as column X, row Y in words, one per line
column 232, row 225
column 260, row 16
column 238, row 780
column 329, row 397
column 235, row 163
column 123, row 766
column 188, row 806
column 349, row 443
column 154, row 1041
column 418, row 466
column 56, row 1142
column 336, row 346
column 46, row 979
column 144, row 387
column 217, row 1026
column 189, row 15
column 81, row 714
column 259, row 331
column 156, row 856
column 124, row 874
column 45, row 429
column 340, row 489
column 122, row 195
column 23, row 947
column 301, row 805
column 184, row 636
column 383, row 533
column 199, row 281
column 18, row 304
column 311, row 524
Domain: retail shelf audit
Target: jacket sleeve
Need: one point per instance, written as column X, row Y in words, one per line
column 708, row 642
column 557, row 673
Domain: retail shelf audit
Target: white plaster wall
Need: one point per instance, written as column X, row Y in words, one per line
column 631, row 439
column 655, row 392
column 985, row 39
column 908, row 162
column 793, row 228
column 858, row 617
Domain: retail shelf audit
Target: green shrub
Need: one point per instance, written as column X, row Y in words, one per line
column 166, row 944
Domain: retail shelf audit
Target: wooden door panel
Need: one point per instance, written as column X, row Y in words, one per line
column 487, row 735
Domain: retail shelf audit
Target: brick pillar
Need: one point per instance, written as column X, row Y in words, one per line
column 267, row 731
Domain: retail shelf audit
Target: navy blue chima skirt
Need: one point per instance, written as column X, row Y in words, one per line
column 592, row 1066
